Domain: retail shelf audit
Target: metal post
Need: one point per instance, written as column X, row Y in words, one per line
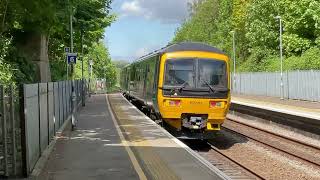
column 82, row 82
column 73, row 94
column 281, row 57
column 90, row 69
column 281, row 60
column 234, row 60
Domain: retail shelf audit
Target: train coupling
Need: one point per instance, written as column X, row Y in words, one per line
column 194, row 121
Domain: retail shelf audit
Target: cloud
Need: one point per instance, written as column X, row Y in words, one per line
column 132, row 7
column 166, row 11
column 141, row 52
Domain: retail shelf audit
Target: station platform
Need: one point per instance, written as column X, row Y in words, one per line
column 298, row 108
column 114, row 140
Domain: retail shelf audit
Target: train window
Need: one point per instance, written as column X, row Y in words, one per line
column 212, row 72
column 180, row 71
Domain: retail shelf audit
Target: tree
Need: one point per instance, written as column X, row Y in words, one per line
column 257, row 30
column 40, row 30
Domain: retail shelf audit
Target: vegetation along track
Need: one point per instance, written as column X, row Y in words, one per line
column 296, row 148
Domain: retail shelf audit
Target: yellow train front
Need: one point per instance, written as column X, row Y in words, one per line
column 185, row 85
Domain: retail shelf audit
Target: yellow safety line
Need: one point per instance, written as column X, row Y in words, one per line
column 132, row 157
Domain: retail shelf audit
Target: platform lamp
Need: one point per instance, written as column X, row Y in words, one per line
column 234, row 59
column 281, row 58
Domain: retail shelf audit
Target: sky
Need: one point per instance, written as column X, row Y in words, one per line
column 143, row 26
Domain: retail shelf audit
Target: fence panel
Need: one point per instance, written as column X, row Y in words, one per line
column 56, row 106
column 50, row 111
column 304, row 84
column 300, row 85
column 43, row 106
column 3, row 132
column 31, row 104
column 61, row 101
column 65, row 103
column 68, row 95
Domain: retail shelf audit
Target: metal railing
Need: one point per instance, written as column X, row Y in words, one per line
column 30, row 117
column 46, row 107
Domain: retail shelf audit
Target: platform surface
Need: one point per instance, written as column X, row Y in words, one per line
column 93, row 151
column 122, row 144
column 160, row 155
column 294, row 107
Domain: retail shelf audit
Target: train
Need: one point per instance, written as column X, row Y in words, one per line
column 183, row 86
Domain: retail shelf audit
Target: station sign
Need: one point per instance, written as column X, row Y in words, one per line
column 72, row 58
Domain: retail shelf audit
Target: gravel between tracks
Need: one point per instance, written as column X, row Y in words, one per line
column 294, row 148
column 263, row 160
column 276, row 128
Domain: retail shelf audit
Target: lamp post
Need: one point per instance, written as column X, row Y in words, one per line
column 234, row 60
column 281, row 59
column 73, row 93
column 82, row 75
column 90, row 76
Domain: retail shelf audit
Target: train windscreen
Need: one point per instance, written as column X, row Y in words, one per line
column 179, row 72
column 212, row 72
column 196, row 77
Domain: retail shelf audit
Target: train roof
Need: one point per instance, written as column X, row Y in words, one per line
column 191, row 46
column 183, row 46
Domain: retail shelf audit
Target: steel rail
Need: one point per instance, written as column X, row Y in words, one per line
column 235, row 162
column 276, row 134
column 272, row 146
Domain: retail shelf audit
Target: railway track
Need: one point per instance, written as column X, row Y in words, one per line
column 235, row 168
column 226, row 164
column 226, row 157
column 296, row 148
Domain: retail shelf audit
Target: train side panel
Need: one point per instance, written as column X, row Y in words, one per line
column 141, row 81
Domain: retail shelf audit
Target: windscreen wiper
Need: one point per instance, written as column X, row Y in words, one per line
column 182, row 86
column 206, row 83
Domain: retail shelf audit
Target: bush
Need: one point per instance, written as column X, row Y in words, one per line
column 5, row 69
column 271, row 63
column 308, row 60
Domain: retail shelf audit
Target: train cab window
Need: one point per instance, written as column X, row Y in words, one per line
column 180, row 72
column 212, row 72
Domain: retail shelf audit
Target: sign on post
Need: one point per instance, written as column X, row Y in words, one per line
column 72, row 58
column 66, row 49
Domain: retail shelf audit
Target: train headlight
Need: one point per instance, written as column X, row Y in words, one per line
column 174, row 102
column 216, row 104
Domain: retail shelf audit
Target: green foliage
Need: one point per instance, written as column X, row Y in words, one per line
column 257, row 31
column 119, row 64
column 102, row 65
column 209, row 23
column 308, row 60
column 51, row 18
column 5, row 69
